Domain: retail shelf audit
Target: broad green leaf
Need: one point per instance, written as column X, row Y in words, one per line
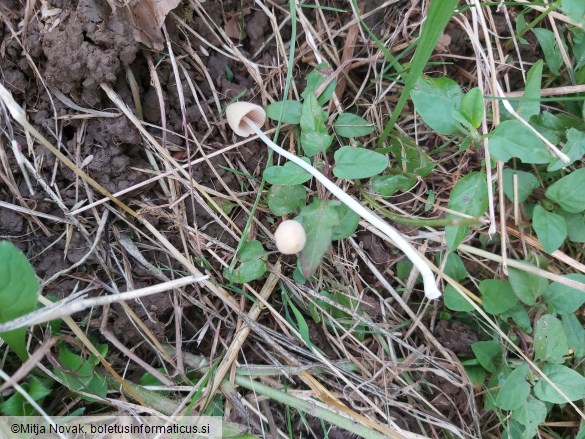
column 436, row 100
column 476, row 375
column 568, row 191
column 287, row 174
column 519, row 316
column 348, row 222
column 579, row 47
column 550, row 340
column 352, row 163
column 575, row 335
column 527, row 286
column 319, row 219
column 512, row 139
column 283, row 200
column 550, row 228
column 17, row 405
column 527, row 182
column 575, row 225
column 530, row 101
column 289, row 109
column 497, row 295
column 575, row 9
column 454, row 266
column 515, row 390
column 469, row 196
column 574, row 148
column 313, row 142
column 252, row 263
column 454, row 301
column 410, row 157
column 387, row 185
column 570, row 382
column 532, row 413
column 488, row 353
column 314, row 137
column 472, row 107
column 19, row 290
column 352, row 125
column 497, row 379
column 78, row 373
column 564, row 299
column 314, row 80
column 550, row 49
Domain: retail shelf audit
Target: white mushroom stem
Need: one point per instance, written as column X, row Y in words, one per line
column 430, row 285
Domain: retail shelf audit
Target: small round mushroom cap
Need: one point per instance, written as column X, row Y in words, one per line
column 236, row 112
column 290, row 237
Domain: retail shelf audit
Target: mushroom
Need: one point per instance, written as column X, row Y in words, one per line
column 290, row 237
column 246, row 118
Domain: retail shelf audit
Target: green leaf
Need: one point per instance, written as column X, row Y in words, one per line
column 352, row 125
column 455, row 302
column 78, row 374
column 519, row 316
column 568, row 191
column 527, row 182
column 302, row 326
column 319, row 219
column 348, row 222
column 19, row 290
column 564, row 299
column 313, row 142
column 289, row 109
column 567, row 380
column 497, row 295
column 252, row 263
column 515, row 390
column 410, row 157
column 532, row 413
column 283, row 200
column 550, row 340
column 469, row 196
column 530, row 101
column 575, row 226
column 314, row 137
column 387, row 185
column 436, row 100
column 488, row 353
column 550, row 228
column 288, row 174
column 575, row 335
column 527, row 286
column 16, row 405
column 314, row 80
column 472, row 107
column 550, row 49
column 454, row 266
column 574, row 148
column 352, row 163
column 575, row 9
column 512, row 139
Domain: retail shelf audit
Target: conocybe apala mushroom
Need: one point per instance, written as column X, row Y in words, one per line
column 246, row 118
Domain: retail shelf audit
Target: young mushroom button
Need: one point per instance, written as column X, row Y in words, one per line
column 247, row 118
column 290, row 237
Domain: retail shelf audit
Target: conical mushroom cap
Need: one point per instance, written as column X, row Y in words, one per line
column 236, row 112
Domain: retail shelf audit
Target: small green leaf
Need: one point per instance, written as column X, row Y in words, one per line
column 352, row 125
column 564, row 299
column 550, row 228
column 289, row 109
column 532, row 413
column 19, row 290
column 568, row 191
column 552, row 53
column 530, row 101
column 348, row 222
column 488, row 353
column 387, row 185
column 410, row 157
column 512, row 139
column 252, row 263
column 574, row 149
column 283, row 200
column 519, row 316
column 527, row 182
column 352, row 163
column 570, row 382
column 319, row 219
column 575, row 335
column 550, row 340
column 436, row 100
column 515, row 390
column 497, row 295
column 527, row 286
column 313, row 142
column 454, row 266
column 575, row 9
column 472, row 107
column 288, row 174
column 469, row 196
column 314, row 80
column 575, row 225
column 455, row 302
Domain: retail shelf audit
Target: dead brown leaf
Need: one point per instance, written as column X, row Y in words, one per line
column 147, row 18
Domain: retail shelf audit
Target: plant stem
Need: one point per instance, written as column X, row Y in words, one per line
column 431, row 290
